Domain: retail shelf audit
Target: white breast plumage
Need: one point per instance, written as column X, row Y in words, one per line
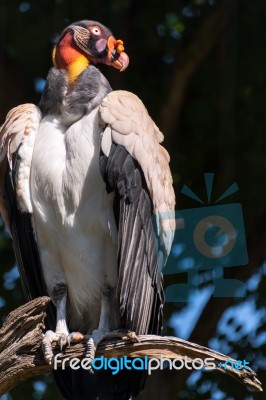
column 70, row 203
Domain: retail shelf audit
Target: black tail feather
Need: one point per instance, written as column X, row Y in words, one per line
column 102, row 385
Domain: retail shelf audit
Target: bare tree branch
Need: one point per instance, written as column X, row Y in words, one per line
column 21, row 356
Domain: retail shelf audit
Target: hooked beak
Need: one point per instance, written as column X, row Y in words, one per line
column 116, row 55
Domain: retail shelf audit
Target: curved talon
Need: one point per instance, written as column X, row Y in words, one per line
column 132, row 337
column 123, row 334
column 90, row 353
column 48, row 338
column 90, row 368
column 76, row 337
column 61, row 338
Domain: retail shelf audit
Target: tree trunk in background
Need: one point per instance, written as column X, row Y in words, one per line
column 12, row 92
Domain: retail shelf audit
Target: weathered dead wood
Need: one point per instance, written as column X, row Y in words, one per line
column 21, row 356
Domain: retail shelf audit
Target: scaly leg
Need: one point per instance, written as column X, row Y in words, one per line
column 61, row 334
column 103, row 331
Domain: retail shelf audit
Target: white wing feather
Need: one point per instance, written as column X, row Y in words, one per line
column 18, row 133
column 129, row 125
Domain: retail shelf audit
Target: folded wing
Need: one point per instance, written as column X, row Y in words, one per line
column 135, row 166
column 17, row 138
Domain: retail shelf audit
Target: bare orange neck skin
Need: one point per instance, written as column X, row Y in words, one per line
column 67, row 56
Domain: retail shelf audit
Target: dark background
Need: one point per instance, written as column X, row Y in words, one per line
column 200, row 68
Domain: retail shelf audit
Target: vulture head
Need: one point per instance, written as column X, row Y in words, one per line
column 85, row 42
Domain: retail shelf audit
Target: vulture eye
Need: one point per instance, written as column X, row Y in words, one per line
column 96, row 30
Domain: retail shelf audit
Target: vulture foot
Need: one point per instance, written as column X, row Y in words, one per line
column 99, row 335
column 61, row 338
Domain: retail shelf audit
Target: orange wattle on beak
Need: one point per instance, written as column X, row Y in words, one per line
column 116, row 55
